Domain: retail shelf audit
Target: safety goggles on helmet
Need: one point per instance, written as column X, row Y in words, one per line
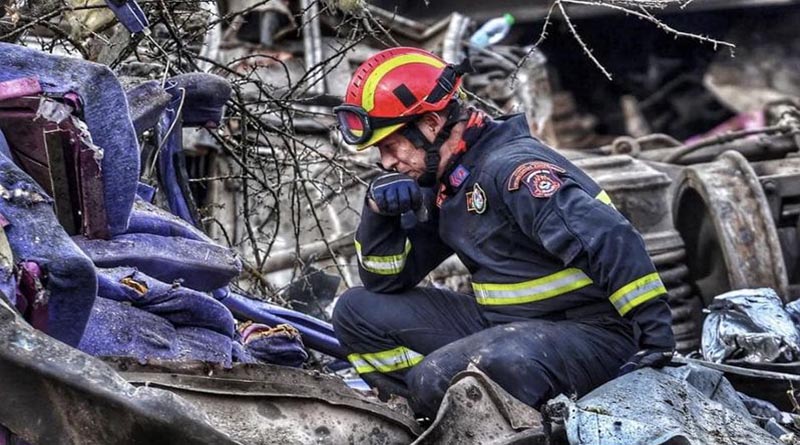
column 357, row 126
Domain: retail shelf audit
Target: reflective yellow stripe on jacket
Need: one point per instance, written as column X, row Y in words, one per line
column 385, row 361
column 637, row 292
column 604, row 198
column 383, row 264
column 559, row 283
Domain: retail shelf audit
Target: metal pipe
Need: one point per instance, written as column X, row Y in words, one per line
column 312, row 45
column 451, row 47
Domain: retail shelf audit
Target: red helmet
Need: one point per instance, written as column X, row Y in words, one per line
column 391, row 89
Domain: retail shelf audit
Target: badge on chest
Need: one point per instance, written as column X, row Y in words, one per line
column 476, row 200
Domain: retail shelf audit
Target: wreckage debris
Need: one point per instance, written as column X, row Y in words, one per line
column 154, row 303
column 750, row 326
column 692, row 405
column 88, row 257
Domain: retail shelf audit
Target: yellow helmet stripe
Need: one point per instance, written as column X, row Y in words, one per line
column 368, row 93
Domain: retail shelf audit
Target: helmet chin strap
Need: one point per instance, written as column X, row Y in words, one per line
column 432, row 154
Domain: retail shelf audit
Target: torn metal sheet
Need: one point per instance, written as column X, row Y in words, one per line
column 750, row 325
column 53, row 393
column 773, row 382
column 268, row 404
column 692, row 406
column 476, row 410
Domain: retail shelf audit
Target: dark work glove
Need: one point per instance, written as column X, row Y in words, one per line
column 395, row 193
column 656, row 341
column 647, row 358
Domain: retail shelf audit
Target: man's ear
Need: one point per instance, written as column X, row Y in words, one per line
column 432, row 122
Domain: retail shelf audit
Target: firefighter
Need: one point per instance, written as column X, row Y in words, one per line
column 565, row 296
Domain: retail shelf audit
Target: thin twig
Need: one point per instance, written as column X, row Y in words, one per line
column 580, row 41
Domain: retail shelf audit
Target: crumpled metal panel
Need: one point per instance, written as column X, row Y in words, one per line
column 476, row 410
column 52, row 393
column 266, row 404
column 650, row 407
column 750, row 325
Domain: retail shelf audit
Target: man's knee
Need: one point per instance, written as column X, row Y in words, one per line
column 351, row 303
column 515, row 358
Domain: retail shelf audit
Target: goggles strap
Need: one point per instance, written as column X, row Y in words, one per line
column 432, row 155
column 447, row 80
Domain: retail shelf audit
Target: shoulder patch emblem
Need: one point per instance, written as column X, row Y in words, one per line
column 459, row 175
column 476, row 200
column 541, row 178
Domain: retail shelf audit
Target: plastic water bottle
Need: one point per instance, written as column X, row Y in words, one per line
column 492, row 31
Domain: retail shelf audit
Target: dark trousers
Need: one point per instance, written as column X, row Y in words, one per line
column 532, row 359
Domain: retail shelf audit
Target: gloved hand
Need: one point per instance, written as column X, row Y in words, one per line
column 652, row 358
column 395, row 193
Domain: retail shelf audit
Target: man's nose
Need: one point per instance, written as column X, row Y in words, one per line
column 388, row 162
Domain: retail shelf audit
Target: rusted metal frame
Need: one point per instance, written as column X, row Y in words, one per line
column 777, row 188
column 753, row 148
column 742, row 219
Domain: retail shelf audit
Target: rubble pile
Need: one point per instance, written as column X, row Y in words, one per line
column 153, row 288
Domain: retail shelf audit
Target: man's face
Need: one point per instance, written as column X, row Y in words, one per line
column 399, row 154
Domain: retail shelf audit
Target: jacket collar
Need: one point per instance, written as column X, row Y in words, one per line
column 496, row 132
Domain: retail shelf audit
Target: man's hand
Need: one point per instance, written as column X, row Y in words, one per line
column 394, row 194
column 647, row 358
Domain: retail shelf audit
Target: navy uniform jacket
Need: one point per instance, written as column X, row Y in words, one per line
column 537, row 234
